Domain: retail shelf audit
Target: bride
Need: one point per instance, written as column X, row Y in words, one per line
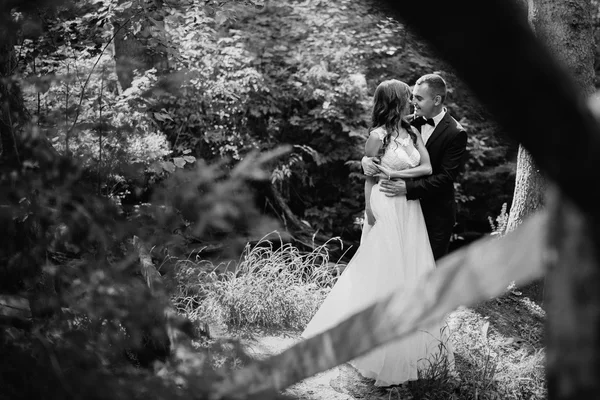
column 394, row 250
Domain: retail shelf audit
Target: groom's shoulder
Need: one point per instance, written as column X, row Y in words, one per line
column 456, row 126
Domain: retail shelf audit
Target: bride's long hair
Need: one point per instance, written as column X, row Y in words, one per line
column 391, row 100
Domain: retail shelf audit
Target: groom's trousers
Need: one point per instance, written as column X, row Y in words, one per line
column 439, row 219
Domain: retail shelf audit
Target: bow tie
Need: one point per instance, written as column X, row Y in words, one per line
column 420, row 121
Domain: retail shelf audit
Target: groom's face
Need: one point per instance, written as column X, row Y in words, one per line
column 423, row 100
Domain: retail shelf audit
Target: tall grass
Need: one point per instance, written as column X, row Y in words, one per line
column 275, row 285
column 272, row 285
column 437, row 379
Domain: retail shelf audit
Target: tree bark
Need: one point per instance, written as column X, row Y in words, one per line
column 178, row 329
column 530, row 183
column 529, row 190
column 302, row 235
column 149, row 271
column 573, row 305
column 573, row 301
column 566, row 27
column 12, row 108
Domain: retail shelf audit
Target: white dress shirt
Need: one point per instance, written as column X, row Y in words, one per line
column 427, row 130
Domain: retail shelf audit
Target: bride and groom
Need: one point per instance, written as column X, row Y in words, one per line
column 411, row 163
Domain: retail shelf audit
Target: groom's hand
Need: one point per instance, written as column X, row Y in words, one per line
column 369, row 166
column 392, row 188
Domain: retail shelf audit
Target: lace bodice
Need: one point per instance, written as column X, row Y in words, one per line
column 400, row 153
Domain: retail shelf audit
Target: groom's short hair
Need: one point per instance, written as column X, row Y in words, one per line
column 436, row 83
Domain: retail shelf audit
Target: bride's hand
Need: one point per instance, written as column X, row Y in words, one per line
column 385, row 171
column 369, row 167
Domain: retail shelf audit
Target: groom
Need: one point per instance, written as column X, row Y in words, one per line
column 446, row 141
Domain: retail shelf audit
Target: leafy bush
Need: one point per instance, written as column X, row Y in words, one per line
column 181, row 134
column 73, row 259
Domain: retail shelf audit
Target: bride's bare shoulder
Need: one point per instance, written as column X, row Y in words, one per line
column 378, row 132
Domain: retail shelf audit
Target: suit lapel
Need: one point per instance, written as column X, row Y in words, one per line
column 439, row 129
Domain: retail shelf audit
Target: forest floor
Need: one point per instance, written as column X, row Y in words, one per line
column 498, row 347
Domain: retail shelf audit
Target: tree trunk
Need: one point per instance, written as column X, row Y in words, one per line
column 573, row 51
column 172, row 331
column 530, row 184
column 566, row 27
column 573, row 324
column 135, row 51
column 12, row 109
column 149, row 271
column 573, row 301
column 301, row 234
column 529, row 190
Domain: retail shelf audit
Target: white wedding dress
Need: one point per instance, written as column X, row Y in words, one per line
column 393, row 254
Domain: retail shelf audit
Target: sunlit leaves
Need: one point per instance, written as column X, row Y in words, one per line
column 180, row 162
column 162, row 116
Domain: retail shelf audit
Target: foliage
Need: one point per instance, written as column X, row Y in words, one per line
column 171, row 158
column 71, row 86
column 241, row 78
column 67, row 236
column 273, row 285
column 438, row 378
column 262, row 82
column 80, row 240
column 496, row 357
column 330, row 197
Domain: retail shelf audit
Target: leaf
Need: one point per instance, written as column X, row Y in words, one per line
column 179, row 162
column 356, row 133
column 156, row 167
column 189, row 159
column 221, row 18
column 484, row 329
column 162, row 116
column 168, row 166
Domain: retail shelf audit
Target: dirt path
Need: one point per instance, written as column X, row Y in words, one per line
column 503, row 335
column 339, row 383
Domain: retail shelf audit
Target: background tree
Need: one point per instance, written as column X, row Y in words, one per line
column 573, row 319
column 570, row 42
column 530, row 183
column 13, row 113
column 529, row 193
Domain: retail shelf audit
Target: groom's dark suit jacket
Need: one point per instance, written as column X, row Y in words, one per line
column 447, row 150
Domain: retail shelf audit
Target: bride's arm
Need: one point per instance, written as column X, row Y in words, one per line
column 423, row 169
column 371, row 150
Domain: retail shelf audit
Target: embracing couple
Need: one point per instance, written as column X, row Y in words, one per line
column 411, row 163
